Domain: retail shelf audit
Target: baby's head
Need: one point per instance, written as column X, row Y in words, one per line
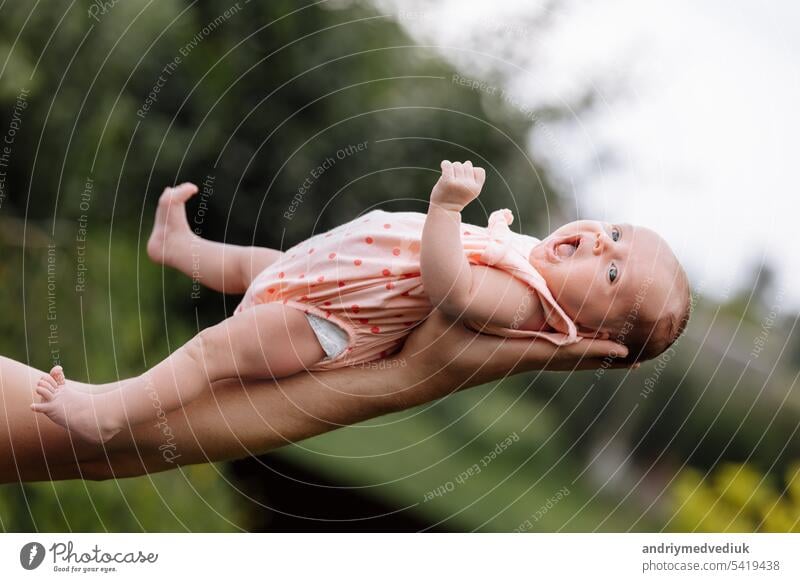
column 621, row 281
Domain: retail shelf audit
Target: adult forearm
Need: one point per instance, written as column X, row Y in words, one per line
column 239, row 419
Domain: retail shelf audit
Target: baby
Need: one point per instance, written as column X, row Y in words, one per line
column 352, row 295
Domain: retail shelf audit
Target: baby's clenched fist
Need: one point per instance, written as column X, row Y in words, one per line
column 458, row 185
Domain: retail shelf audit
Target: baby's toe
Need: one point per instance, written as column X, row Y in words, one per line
column 45, row 392
column 184, row 191
column 58, row 375
column 41, row 406
column 48, row 382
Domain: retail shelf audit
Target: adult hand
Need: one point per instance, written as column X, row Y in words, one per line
column 446, row 357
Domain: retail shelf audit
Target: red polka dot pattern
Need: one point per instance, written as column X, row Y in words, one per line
column 358, row 272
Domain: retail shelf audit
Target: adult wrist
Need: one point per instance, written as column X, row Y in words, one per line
column 424, row 379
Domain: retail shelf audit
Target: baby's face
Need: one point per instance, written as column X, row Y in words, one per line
column 595, row 270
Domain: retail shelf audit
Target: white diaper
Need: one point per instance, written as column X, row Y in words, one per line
column 332, row 338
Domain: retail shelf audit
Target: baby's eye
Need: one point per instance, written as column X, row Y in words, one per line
column 612, row 273
column 615, row 234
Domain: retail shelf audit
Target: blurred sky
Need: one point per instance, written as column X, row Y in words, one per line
column 695, row 130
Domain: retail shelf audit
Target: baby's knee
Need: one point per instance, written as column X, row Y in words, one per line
column 224, row 348
column 200, row 348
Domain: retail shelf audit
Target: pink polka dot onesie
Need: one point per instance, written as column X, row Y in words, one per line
column 364, row 276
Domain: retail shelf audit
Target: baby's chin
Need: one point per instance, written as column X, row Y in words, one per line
column 538, row 257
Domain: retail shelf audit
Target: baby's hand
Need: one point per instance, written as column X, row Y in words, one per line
column 459, row 185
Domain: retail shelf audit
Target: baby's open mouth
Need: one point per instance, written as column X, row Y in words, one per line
column 566, row 247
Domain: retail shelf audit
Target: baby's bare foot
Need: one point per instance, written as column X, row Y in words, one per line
column 71, row 408
column 171, row 224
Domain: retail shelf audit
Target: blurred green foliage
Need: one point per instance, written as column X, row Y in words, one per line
column 106, row 332
column 190, row 499
column 486, row 460
column 737, row 497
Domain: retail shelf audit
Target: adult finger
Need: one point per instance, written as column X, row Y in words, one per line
column 605, row 363
column 597, row 348
column 583, row 355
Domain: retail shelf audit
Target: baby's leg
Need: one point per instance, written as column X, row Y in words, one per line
column 263, row 341
column 222, row 267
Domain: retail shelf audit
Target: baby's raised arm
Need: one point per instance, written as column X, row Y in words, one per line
column 446, row 273
column 459, row 289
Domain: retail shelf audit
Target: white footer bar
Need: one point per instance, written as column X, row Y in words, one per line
column 353, row 557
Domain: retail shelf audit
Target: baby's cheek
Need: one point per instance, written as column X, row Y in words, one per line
column 586, row 310
column 573, row 293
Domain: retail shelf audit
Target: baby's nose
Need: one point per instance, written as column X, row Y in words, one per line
column 599, row 243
